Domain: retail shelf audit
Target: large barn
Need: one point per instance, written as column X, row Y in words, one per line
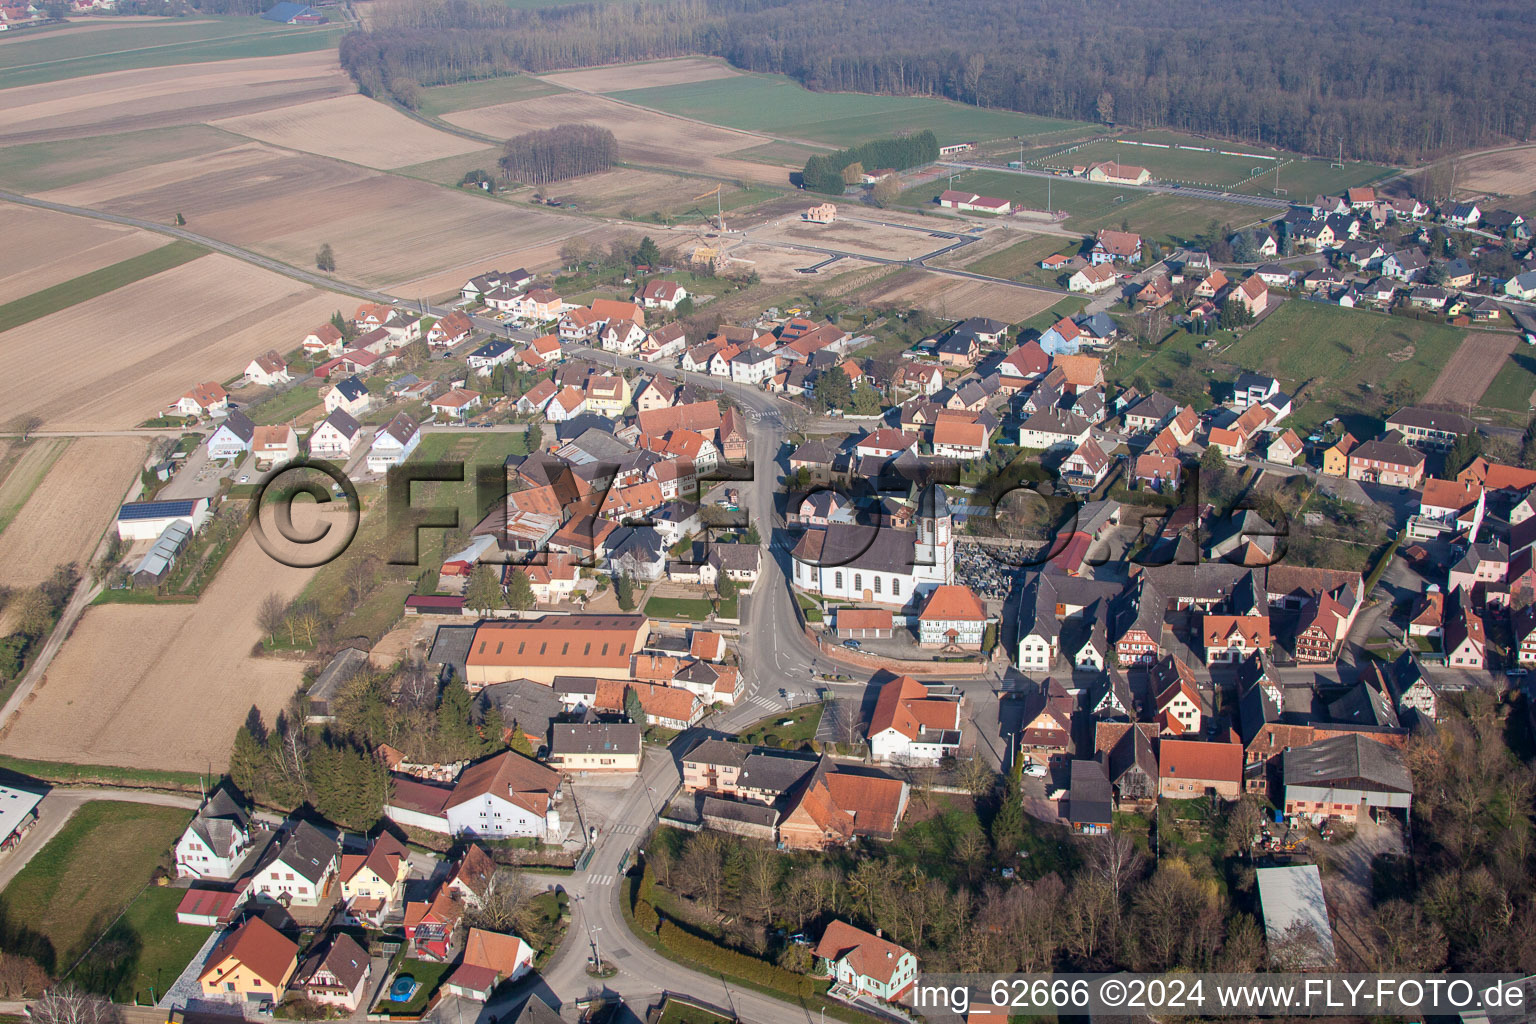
column 147, row 520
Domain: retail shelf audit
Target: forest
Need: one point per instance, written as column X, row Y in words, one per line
column 829, row 172
column 1288, row 73
column 555, row 154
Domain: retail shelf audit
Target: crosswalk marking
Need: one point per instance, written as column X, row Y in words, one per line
column 601, row 879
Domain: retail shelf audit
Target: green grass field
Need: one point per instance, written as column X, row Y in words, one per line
column 97, row 282
column 779, row 154
column 43, row 165
column 60, row 55
column 450, row 170
column 1165, row 164
column 803, row 722
column 285, row 406
column 1336, row 349
column 676, row 1011
column 695, row 610
column 165, row 946
column 1021, row 261
column 780, row 106
column 487, row 92
column 90, row 871
column 429, row 974
column 1512, row 388
column 1302, row 178
column 1090, row 207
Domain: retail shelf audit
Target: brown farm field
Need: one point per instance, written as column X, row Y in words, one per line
column 135, row 349
column 43, row 249
column 384, row 228
column 1469, row 371
column 643, row 76
column 953, row 298
column 645, row 136
column 163, row 686
column 67, row 514
column 128, row 101
column 1508, row 172
column 351, row 128
column 864, row 237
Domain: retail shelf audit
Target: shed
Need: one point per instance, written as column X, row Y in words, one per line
column 1089, row 799
column 1296, row 917
column 347, row 663
column 210, row 908
column 159, row 560
column 863, row 623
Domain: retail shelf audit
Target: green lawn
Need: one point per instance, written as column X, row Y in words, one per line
column 35, row 166
column 379, row 613
column 285, row 406
column 1336, row 349
column 487, row 92
column 1512, row 388
column 1302, row 178
column 93, row 868
column 696, row 610
column 677, row 1011
column 97, row 282
column 164, row 945
column 1021, row 261
column 101, row 775
column 1070, row 305
column 778, row 105
column 783, row 154
column 61, row 55
column 1166, row 164
column 450, row 170
column 1089, row 207
column 430, row 975
column 803, row 722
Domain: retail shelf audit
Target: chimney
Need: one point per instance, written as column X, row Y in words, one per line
column 879, row 933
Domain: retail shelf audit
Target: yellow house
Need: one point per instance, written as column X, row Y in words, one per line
column 371, row 883
column 253, row 962
column 1336, row 458
column 607, row 395
column 608, row 747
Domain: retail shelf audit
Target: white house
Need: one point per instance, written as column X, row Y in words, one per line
column 504, row 796
column 300, row 870
column 456, row 404
column 493, row 353
column 216, row 841
column 622, row 336
column 1521, row 286
column 336, row 436
column 394, row 443
column 207, row 399
column 952, row 617
column 753, row 365
column 233, row 438
column 268, row 368
column 661, row 295
column 862, row 963
column 349, row 393
column 1092, row 279
column 1053, row 427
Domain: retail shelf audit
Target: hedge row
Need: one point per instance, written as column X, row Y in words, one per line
column 729, row 962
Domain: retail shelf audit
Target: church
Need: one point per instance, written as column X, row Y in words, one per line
column 890, row 563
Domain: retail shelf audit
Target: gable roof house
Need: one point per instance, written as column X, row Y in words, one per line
column 217, row 839
column 504, row 796
column 268, row 368
column 1345, row 776
column 394, row 443
column 865, row 964
column 253, row 962
column 909, row 726
column 1092, row 279
column 300, row 870
column 233, row 437
column 1115, row 246
column 206, row 399
column 336, row 974
column 1189, row 768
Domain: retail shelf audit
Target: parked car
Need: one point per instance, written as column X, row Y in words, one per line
column 1035, row 771
column 852, row 645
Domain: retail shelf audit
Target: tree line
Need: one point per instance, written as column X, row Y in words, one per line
column 555, row 154
column 827, row 172
column 1360, row 84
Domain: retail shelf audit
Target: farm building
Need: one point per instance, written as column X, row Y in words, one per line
column 1294, row 907
column 158, row 560
column 1112, row 173
column 18, row 812
column 973, row 203
column 147, row 520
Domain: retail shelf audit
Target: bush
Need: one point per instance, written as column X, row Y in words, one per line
column 729, row 962
column 647, row 921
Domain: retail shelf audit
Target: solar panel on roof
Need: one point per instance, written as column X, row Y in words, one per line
column 155, row 509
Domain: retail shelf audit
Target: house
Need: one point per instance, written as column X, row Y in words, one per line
column 865, row 964
column 216, row 841
column 1114, row 247
column 1045, row 731
column 1434, row 429
column 1336, row 456
column 822, row 213
column 1150, row 414
column 1252, row 294
column 450, row 330
column 957, row 349
column 326, row 339
column 1465, row 215
column 268, row 368
column 489, row 958
column 493, row 279
column 1405, row 265
column 336, row 974
column 1211, row 285
column 1053, row 428
column 923, row 378
column 1155, row 294
column 1086, row 467
column 504, row 796
column 1179, row 708
column 336, row 436
column 753, row 365
column 952, row 616
column 252, row 963
column 1252, row 389
column 1466, row 642
column 233, row 437
column 429, row 925
column 1090, row 809
column 272, row 446
column 487, row 357
column 1092, row 279
column 1161, row 473
column 1192, row 768
column 955, row 436
column 373, row 882
column 1235, row 638
column 593, row 746
column 1344, row 777
column 207, row 399
column 299, row 870
column 661, row 295
column 910, row 726
column 349, row 394
column 1275, row 275
column 1112, row 173
column 1284, row 449
column 1388, row 463
column 393, row 443
column 1521, row 286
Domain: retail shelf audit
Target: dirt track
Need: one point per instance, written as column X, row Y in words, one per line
column 1469, row 371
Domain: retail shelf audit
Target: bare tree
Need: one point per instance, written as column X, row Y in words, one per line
column 703, row 866
column 271, row 614
column 973, row 773
column 760, row 882
column 71, row 1006
column 417, row 687
column 25, row 425
column 20, row 976
column 502, row 903
column 1115, row 859
column 848, row 723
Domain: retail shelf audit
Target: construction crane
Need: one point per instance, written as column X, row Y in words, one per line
column 719, row 204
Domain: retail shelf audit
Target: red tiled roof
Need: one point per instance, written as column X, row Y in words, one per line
column 260, row 948
column 952, row 602
column 1200, row 761
column 869, row 955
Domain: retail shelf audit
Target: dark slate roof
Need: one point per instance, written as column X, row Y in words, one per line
column 155, row 509
column 1364, row 705
column 351, row 388
column 218, row 819
column 1088, row 799
column 1352, row 760
column 307, row 850
column 595, row 737
column 711, row 751
column 775, row 771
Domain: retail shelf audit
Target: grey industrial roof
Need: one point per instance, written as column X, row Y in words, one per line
column 1353, row 761
column 1088, row 799
column 594, row 737
column 1291, row 897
